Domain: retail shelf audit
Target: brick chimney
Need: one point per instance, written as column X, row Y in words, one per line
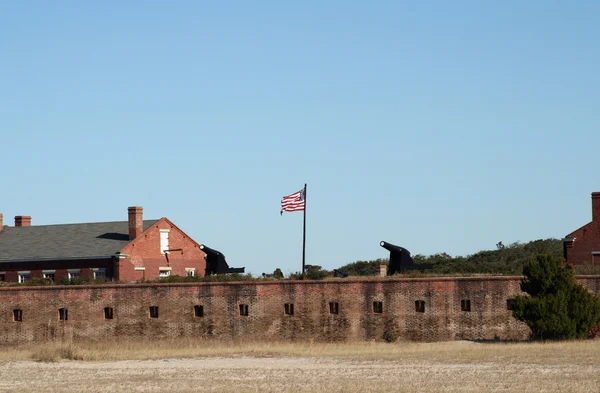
column 596, row 208
column 22, row 221
column 136, row 225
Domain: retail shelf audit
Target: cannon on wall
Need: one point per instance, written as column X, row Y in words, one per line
column 400, row 260
column 216, row 263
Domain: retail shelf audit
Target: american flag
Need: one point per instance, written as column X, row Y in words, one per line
column 294, row 202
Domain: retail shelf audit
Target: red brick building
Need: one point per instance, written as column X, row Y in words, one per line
column 130, row 250
column 583, row 245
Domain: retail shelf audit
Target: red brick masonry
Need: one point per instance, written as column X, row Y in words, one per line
column 358, row 317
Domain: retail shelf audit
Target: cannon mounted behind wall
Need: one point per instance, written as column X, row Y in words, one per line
column 216, row 263
column 400, row 260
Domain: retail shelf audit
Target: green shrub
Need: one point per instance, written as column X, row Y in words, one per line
column 312, row 272
column 364, row 268
column 38, row 281
column 557, row 307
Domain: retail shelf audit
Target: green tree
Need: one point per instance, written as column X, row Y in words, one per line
column 557, row 307
column 363, row 268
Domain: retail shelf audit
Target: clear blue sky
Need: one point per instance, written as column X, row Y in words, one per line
column 439, row 126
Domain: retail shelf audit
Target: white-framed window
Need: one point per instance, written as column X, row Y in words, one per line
column 49, row 274
column 190, row 271
column 99, row 273
column 164, row 271
column 23, row 276
column 74, row 273
column 164, row 241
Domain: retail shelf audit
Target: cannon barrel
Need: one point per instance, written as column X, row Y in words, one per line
column 391, row 247
column 209, row 251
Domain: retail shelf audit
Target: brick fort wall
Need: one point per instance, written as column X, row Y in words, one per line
column 367, row 309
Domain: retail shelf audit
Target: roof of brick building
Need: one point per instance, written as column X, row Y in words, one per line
column 66, row 241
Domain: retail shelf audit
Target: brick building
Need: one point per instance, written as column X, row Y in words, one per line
column 130, row 250
column 582, row 246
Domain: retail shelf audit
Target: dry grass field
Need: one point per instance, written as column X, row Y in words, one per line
column 193, row 366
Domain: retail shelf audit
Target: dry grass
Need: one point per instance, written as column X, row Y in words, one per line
column 193, row 365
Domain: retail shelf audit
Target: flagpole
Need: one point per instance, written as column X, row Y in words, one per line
column 304, row 235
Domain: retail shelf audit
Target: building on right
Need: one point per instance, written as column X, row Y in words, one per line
column 582, row 246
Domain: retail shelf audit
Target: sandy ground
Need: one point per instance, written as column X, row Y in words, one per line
column 294, row 374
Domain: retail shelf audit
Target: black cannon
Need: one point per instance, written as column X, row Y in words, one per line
column 216, row 264
column 339, row 273
column 400, row 260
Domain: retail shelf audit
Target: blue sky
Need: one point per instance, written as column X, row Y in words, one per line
column 438, row 126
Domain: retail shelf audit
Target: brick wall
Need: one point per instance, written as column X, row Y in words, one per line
column 356, row 320
column 144, row 253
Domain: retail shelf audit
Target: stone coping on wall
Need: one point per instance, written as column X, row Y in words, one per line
column 273, row 282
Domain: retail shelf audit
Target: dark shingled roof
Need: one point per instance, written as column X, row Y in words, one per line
column 65, row 241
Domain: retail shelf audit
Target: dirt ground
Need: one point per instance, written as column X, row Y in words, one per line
column 297, row 374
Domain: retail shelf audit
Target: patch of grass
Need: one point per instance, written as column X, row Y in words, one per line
column 576, row 353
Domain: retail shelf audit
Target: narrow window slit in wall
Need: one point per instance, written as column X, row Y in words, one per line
column 153, row 311
column 18, row 315
column 378, row 307
column 509, row 304
column 289, row 308
column 420, row 305
column 108, row 313
column 63, row 314
column 244, row 310
column 198, row 311
column 465, row 305
column 334, row 308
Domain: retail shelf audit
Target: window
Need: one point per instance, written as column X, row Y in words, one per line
column 244, row 310
column 509, row 304
column 108, row 313
column 164, row 272
column 49, row 274
column 74, row 274
column 2, row 276
column 153, row 311
column 23, row 277
column 378, row 307
column 190, row 272
column 288, row 309
column 465, row 305
column 198, row 311
column 99, row 273
column 63, row 314
column 420, row 305
column 164, row 241
column 18, row 315
column 334, row 308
